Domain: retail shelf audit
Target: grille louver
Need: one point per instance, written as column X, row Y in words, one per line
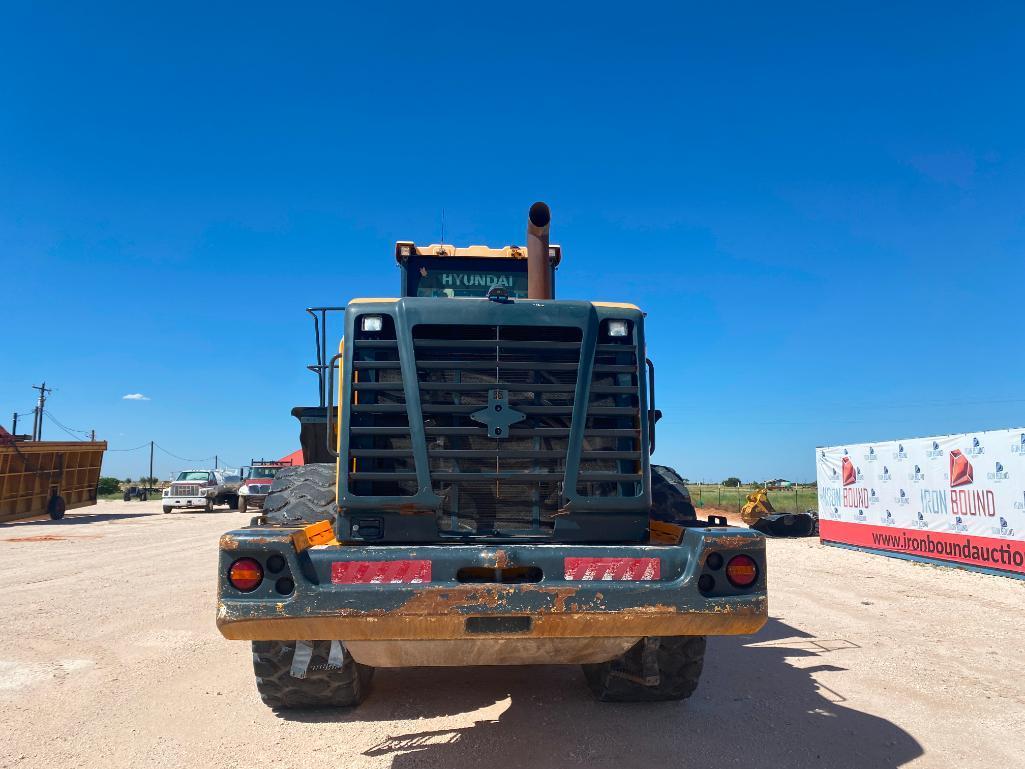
column 513, row 485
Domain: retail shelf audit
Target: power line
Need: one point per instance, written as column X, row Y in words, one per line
column 68, row 430
column 64, row 427
column 135, row 449
column 183, row 459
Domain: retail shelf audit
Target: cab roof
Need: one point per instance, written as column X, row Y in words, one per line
column 407, row 248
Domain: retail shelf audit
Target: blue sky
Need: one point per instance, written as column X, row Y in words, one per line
column 820, row 207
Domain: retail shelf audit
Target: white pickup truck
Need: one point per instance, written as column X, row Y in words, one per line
column 202, row 488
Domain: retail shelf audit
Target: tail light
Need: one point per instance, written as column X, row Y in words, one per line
column 245, row 574
column 741, row 571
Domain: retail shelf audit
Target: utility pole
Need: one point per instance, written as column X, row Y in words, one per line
column 150, row 463
column 92, row 436
column 14, row 424
column 215, row 461
column 37, row 427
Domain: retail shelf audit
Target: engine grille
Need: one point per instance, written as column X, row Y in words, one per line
column 512, row 485
column 184, row 489
column 491, row 485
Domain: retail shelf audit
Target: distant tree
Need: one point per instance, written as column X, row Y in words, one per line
column 128, row 481
column 732, row 482
column 108, row 486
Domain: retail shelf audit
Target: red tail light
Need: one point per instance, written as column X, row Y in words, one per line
column 741, row 571
column 245, row 574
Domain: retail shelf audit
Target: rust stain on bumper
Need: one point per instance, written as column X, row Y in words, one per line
column 412, row 628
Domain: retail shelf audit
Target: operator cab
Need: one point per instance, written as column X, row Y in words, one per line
column 445, row 271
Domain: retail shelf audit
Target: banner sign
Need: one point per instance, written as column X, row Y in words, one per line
column 958, row 498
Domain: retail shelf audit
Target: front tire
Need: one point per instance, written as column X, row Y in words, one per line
column 324, row 683
column 656, row 669
column 168, row 509
column 242, row 505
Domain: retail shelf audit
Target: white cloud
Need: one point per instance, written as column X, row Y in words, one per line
column 134, row 397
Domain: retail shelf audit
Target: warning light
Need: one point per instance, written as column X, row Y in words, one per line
column 741, row 571
column 245, row 574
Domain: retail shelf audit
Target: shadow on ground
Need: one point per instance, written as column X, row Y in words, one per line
column 752, row 709
column 73, row 519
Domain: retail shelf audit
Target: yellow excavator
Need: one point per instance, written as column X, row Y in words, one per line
column 759, row 514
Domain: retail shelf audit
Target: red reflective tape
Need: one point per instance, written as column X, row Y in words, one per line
column 612, row 569
column 380, row 572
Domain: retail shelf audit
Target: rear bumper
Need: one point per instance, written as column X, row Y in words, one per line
column 560, row 605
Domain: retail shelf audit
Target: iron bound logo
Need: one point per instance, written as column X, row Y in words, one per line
column 976, row 449
column 961, row 472
column 1000, row 474
column 902, row 498
column 935, row 452
column 852, row 496
column 887, row 519
column 920, row 522
column 1018, row 447
column 900, row 454
column 1003, row 530
column 960, row 525
column 873, row 498
column 885, row 474
column 860, row 516
column 870, row 455
column 835, row 514
column 916, row 475
column 850, row 472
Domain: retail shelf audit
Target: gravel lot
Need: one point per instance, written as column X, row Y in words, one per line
column 112, row 659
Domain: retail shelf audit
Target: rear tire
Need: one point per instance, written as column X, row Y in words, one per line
column 168, row 509
column 303, row 495
column 209, row 506
column 242, row 504
column 323, row 686
column 56, row 507
column 677, row 659
column 670, row 497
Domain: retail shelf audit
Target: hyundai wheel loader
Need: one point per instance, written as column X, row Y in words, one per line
column 478, row 490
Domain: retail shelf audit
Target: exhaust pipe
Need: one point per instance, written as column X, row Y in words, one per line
column 539, row 266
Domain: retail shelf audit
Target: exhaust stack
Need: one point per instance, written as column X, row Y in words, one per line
column 539, row 266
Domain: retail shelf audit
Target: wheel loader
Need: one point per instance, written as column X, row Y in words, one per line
column 478, row 490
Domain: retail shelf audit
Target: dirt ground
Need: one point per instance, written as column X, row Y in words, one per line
column 111, row 659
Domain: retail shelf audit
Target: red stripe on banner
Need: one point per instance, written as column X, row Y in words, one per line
column 612, row 569
column 380, row 572
column 987, row 552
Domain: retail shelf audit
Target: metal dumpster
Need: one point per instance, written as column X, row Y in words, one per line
column 48, row 477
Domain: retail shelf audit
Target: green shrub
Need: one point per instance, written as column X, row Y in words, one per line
column 108, row 486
